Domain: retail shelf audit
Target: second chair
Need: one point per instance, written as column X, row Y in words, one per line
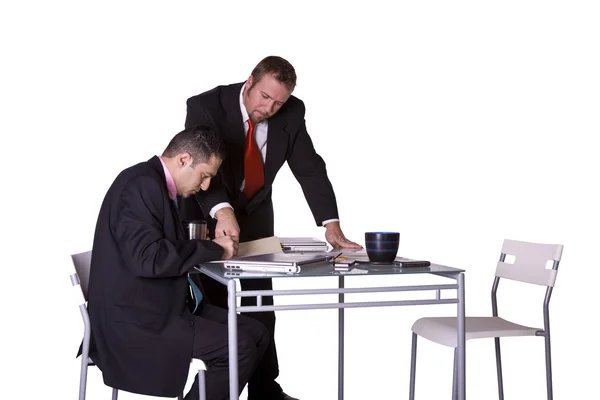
column 529, row 266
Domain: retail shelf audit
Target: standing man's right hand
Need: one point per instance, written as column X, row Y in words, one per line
column 227, row 224
column 229, row 244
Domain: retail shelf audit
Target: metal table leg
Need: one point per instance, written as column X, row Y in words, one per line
column 341, row 342
column 232, row 338
column 461, row 343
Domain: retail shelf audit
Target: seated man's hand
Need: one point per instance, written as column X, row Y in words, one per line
column 336, row 238
column 227, row 224
column 229, row 244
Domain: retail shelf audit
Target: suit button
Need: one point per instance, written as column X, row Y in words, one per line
column 191, row 323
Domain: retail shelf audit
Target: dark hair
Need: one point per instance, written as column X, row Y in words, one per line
column 281, row 69
column 200, row 141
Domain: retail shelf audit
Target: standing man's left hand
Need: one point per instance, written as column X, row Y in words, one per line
column 336, row 238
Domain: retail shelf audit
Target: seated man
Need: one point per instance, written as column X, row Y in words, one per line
column 143, row 332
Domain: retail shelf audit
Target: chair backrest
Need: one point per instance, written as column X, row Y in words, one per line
column 82, row 262
column 530, row 263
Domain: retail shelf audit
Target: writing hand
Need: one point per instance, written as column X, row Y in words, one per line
column 229, row 244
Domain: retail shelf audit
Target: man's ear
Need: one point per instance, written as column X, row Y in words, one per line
column 184, row 160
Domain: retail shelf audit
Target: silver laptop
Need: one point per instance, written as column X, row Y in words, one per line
column 302, row 244
column 274, row 262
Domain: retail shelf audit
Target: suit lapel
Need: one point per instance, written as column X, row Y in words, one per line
column 277, row 140
column 155, row 163
column 233, row 134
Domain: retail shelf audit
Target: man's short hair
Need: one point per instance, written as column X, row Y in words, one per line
column 280, row 68
column 200, row 141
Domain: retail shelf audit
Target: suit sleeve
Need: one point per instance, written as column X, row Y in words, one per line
column 309, row 169
column 197, row 114
column 139, row 230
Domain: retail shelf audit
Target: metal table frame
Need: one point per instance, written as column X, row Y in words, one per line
column 233, row 294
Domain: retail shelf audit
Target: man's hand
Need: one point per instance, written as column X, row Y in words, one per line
column 227, row 224
column 229, row 244
column 336, row 238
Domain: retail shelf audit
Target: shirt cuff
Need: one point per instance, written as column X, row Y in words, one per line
column 330, row 220
column 216, row 208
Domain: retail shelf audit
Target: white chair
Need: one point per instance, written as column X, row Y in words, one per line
column 529, row 266
column 80, row 280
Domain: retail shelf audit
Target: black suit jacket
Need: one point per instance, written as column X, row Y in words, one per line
column 141, row 327
column 287, row 140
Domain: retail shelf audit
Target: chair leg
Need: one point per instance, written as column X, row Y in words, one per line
column 115, row 394
column 413, row 366
column 455, row 376
column 83, row 376
column 202, row 384
column 548, row 365
column 499, row 370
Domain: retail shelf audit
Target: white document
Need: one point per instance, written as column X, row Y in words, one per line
column 260, row 246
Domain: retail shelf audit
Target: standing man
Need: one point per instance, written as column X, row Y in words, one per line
column 144, row 334
column 262, row 126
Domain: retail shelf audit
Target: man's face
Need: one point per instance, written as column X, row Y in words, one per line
column 190, row 180
column 265, row 98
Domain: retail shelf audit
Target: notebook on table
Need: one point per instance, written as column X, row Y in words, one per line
column 274, row 262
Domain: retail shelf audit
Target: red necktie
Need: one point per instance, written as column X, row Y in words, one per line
column 254, row 173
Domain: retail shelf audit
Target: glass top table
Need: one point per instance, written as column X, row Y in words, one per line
column 326, row 269
column 229, row 278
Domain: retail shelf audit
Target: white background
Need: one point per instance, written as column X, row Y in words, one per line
column 457, row 123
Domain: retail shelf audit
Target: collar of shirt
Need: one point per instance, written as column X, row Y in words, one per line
column 262, row 126
column 170, row 182
column 261, row 130
column 243, row 108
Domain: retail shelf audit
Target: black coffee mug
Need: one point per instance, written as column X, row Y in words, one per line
column 382, row 247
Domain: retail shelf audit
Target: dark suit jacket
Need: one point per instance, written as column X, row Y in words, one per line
column 287, row 140
column 141, row 327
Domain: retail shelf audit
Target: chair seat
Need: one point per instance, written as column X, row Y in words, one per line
column 442, row 330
